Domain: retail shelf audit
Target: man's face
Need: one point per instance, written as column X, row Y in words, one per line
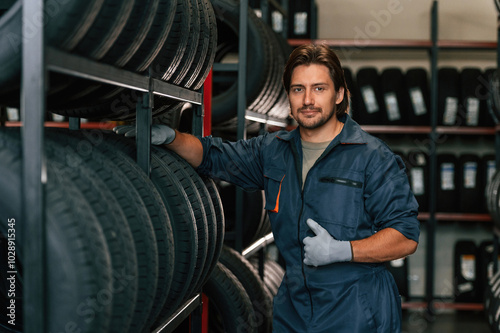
column 312, row 96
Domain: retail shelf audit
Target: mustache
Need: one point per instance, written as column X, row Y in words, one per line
column 308, row 108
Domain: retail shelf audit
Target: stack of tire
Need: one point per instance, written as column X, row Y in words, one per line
column 170, row 40
column 266, row 55
column 492, row 302
column 255, row 221
column 124, row 251
column 239, row 299
column 396, row 97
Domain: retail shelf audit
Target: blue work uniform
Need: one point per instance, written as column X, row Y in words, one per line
column 357, row 187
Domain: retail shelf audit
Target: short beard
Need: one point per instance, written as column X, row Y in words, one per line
column 320, row 122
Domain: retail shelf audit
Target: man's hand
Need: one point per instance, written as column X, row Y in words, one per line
column 323, row 249
column 160, row 134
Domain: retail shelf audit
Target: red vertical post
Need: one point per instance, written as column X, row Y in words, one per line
column 204, row 314
column 207, row 104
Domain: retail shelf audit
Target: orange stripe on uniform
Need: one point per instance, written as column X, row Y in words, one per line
column 277, row 207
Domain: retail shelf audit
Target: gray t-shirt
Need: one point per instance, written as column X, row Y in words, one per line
column 311, row 151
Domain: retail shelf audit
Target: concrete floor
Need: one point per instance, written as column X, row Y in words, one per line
column 414, row 321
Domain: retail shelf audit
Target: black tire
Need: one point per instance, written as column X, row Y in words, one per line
column 133, row 33
column 183, row 223
column 191, row 46
column 156, row 37
column 116, row 230
column 106, row 28
column 64, row 28
column 171, row 55
column 135, row 213
column 448, row 97
column 253, row 211
column 206, row 60
column 230, row 308
column 225, row 97
column 259, row 295
column 220, row 222
column 79, row 266
column 273, row 274
column 116, row 102
column 156, row 209
column 184, row 174
column 211, row 231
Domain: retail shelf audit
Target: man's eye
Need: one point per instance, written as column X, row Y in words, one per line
column 297, row 89
column 319, row 88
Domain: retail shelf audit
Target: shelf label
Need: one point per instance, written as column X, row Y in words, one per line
column 490, row 170
column 470, row 174
column 300, row 23
column 447, row 176
column 450, row 111
column 13, row 114
column 468, row 266
column 417, row 100
column 472, row 111
column 370, row 100
column 391, row 104
column 417, row 181
column 277, row 21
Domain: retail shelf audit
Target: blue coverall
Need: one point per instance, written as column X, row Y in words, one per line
column 357, row 187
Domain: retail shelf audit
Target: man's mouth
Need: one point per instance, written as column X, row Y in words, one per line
column 309, row 111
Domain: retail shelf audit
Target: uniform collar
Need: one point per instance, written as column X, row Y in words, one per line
column 350, row 134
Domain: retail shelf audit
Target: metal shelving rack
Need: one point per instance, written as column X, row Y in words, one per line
column 37, row 60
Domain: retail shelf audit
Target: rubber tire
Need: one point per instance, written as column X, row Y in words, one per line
column 259, row 295
column 183, row 222
column 229, row 304
column 211, row 231
column 184, row 174
column 220, row 223
column 79, row 265
column 94, row 139
column 135, row 213
column 227, row 15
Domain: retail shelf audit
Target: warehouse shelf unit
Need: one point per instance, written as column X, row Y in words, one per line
column 37, row 60
column 433, row 46
column 242, row 112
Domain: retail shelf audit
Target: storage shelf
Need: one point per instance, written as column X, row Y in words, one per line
column 414, row 305
column 65, row 124
column 398, row 44
column 372, row 43
column 466, row 130
column 460, row 217
column 389, row 129
column 180, row 315
column 458, row 306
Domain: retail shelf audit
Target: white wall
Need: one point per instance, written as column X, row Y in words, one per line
column 363, row 21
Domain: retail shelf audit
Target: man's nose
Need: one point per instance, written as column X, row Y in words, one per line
column 308, row 97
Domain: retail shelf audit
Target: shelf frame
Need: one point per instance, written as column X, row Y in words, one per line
column 37, row 60
column 33, row 224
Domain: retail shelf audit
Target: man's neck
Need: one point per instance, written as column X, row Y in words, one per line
column 327, row 132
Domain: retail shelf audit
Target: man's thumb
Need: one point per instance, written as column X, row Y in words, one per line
column 315, row 227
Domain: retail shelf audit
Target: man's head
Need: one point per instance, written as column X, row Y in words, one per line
column 319, row 55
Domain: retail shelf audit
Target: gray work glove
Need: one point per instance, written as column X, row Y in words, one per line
column 323, row 249
column 160, row 134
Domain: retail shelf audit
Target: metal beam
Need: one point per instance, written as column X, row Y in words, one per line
column 32, row 226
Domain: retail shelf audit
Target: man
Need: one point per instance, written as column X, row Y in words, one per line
column 338, row 201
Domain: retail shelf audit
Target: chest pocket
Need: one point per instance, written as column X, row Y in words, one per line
column 338, row 201
column 273, row 180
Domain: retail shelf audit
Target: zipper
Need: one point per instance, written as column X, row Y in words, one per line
column 302, row 186
column 299, row 175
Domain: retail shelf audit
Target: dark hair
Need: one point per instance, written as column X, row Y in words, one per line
column 321, row 55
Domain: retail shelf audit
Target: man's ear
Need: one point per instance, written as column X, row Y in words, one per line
column 340, row 95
